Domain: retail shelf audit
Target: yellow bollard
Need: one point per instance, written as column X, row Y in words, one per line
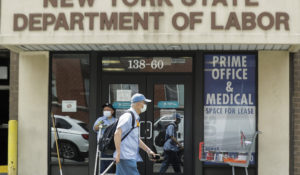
column 3, row 169
column 12, row 147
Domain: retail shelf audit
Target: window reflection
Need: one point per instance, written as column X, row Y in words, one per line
column 70, row 82
column 168, row 103
column 120, row 95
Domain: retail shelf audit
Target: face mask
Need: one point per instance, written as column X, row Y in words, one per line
column 107, row 113
column 144, row 108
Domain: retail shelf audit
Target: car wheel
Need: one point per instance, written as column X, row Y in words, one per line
column 68, row 150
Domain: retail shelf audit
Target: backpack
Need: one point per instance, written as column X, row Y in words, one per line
column 160, row 139
column 106, row 142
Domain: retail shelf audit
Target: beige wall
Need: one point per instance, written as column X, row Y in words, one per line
column 273, row 115
column 202, row 33
column 33, row 112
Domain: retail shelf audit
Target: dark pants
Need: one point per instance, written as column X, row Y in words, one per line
column 106, row 163
column 171, row 157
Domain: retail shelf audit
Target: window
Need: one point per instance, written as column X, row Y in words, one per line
column 4, row 68
column 61, row 123
column 229, row 104
column 174, row 93
column 84, row 126
column 70, row 106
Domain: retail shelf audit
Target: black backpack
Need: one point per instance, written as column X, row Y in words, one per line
column 160, row 139
column 106, row 142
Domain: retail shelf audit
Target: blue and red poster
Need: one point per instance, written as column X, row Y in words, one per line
column 229, row 102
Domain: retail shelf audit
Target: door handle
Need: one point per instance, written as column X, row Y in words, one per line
column 150, row 129
column 141, row 122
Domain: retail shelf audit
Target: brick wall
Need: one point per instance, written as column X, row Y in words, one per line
column 296, row 113
column 14, row 86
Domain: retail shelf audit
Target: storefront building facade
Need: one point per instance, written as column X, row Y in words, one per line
column 224, row 66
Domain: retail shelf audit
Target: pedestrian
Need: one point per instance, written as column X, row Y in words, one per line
column 127, row 151
column 102, row 122
column 172, row 147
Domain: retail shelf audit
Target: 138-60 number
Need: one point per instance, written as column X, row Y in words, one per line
column 141, row 64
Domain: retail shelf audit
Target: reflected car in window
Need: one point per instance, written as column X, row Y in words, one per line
column 73, row 138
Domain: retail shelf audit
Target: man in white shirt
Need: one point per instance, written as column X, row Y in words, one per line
column 127, row 151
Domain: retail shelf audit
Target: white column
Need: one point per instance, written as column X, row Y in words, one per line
column 33, row 113
column 274, row 112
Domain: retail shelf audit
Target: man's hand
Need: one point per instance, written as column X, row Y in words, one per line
column 117, row 158
column 152, row 156
column 98, row 125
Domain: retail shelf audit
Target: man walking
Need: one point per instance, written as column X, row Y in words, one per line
column 127, row 151
column 172, row 147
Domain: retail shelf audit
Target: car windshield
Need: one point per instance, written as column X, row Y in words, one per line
column 168, row 118
column 84, row 126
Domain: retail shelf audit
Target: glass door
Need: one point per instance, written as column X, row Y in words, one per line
column 171, row 97
column 117, row 90
column 170, row 113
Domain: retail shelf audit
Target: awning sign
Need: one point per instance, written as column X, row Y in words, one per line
column 168, row 104
column 122, row 105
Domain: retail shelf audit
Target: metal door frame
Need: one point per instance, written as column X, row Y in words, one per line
column 146, row 85
column 188, row 119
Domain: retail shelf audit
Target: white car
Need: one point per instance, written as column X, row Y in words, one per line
column 73, row 138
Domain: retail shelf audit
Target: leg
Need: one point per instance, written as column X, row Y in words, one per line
column 180, row 153
column 127, row 167
column 175, row 161
column 164, row 164
column 233, row 173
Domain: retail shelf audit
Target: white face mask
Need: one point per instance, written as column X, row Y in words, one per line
column 107, row 113
column 144, row 108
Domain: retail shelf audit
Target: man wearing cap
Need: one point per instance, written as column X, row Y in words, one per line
column 127, row 151
column 102, row 122
column 172, row 147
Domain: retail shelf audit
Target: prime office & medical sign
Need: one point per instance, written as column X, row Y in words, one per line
column 150, row 15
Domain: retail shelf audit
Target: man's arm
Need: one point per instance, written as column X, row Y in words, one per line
column 117, row 139
column 170, row 132
column 145, row 147
column 175, row 140
column 150, row 153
